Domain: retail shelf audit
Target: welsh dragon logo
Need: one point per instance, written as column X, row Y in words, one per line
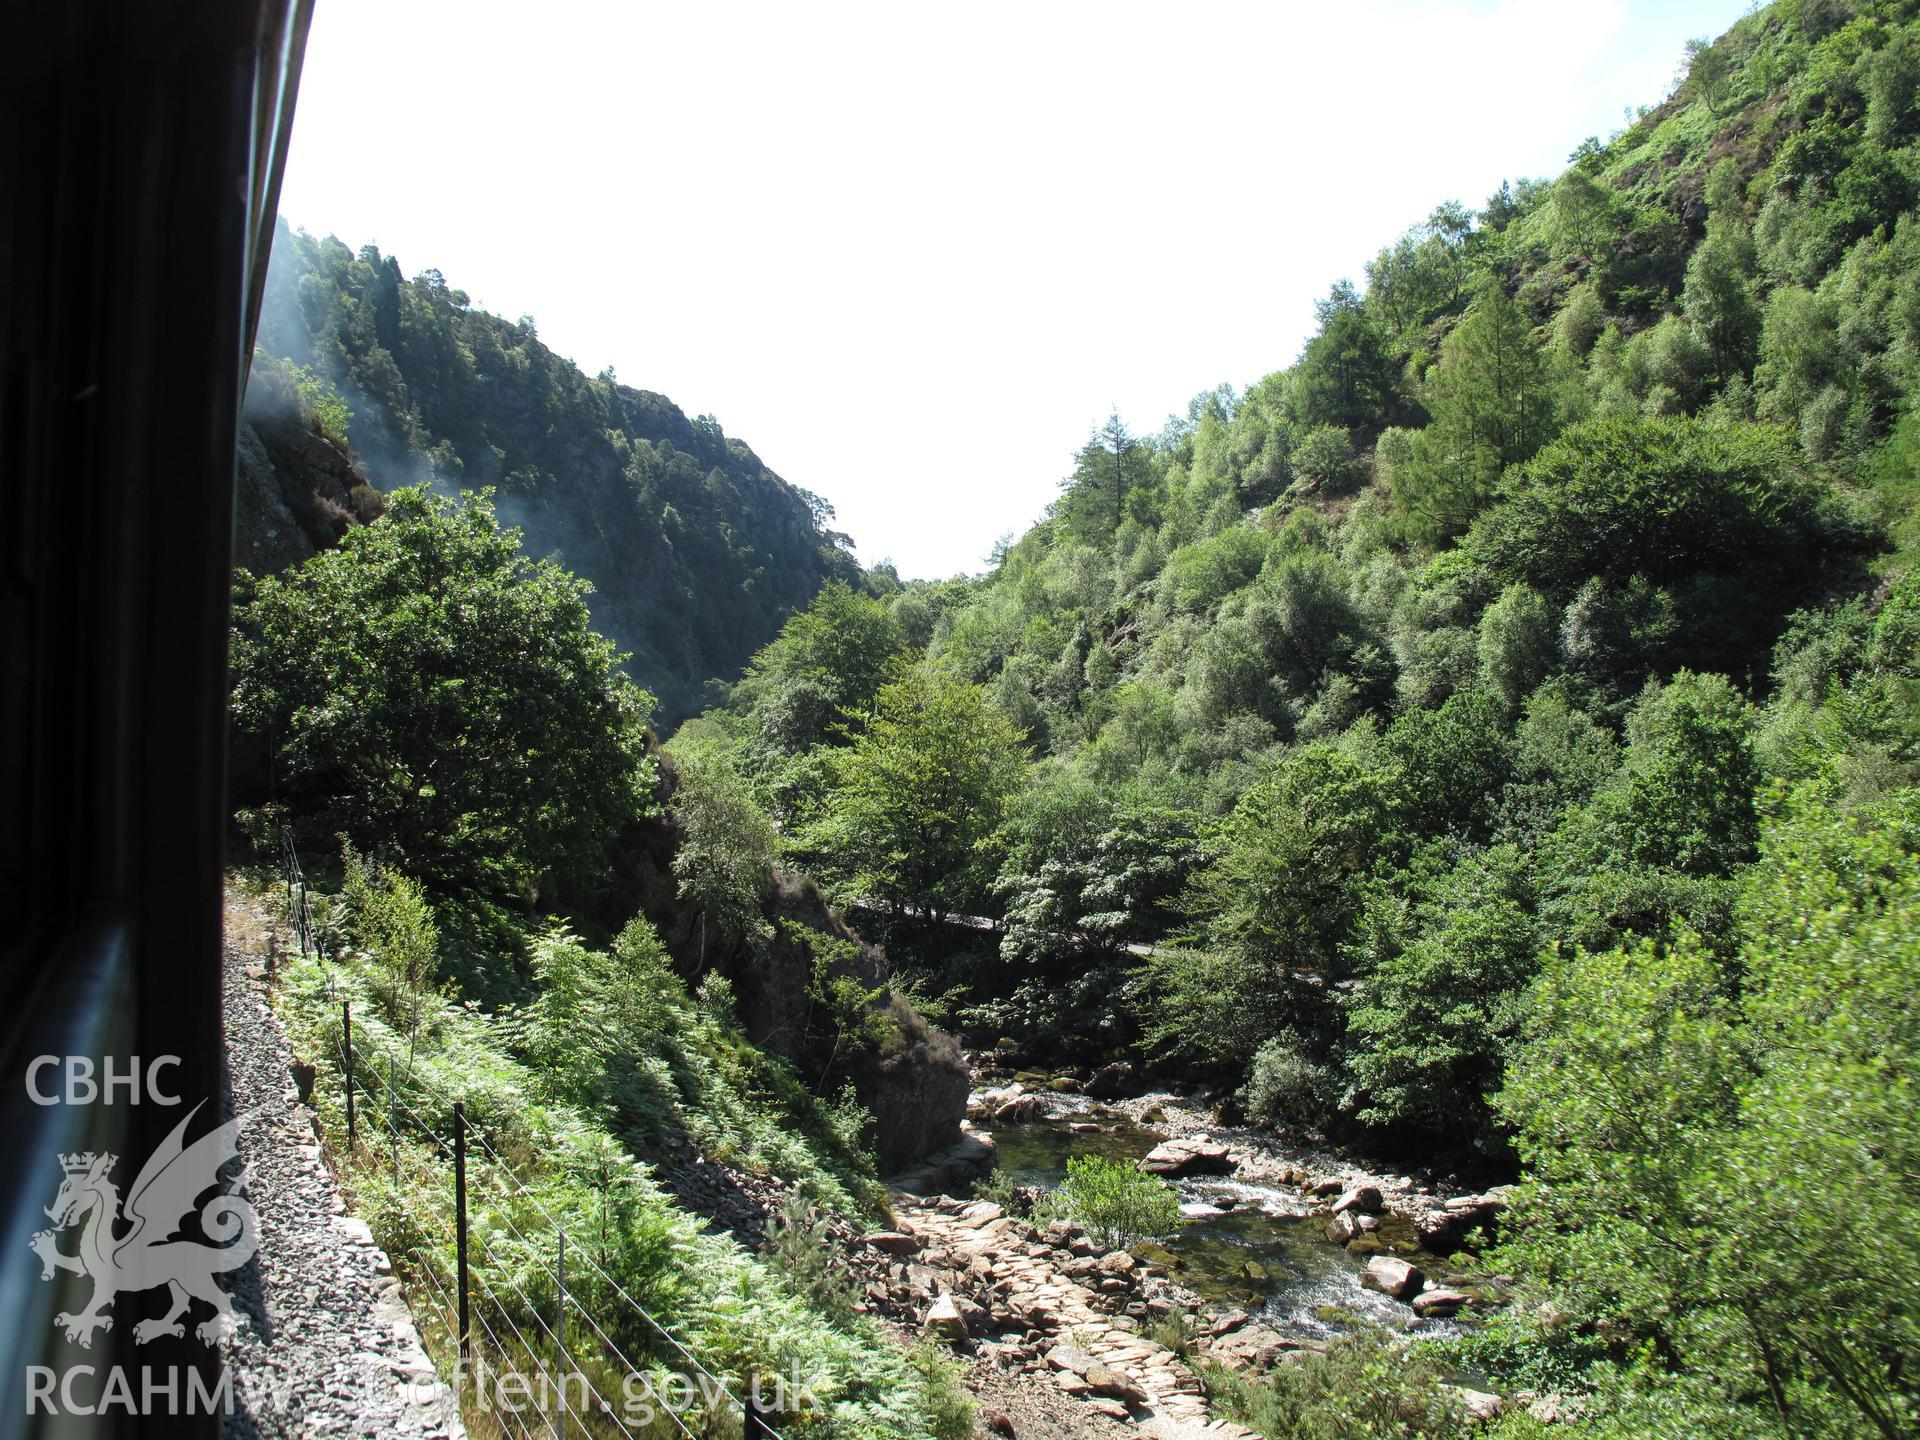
column 149, row 1255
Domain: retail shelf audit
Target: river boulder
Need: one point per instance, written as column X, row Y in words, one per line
column 1395, row 1276
column 1257, row 1348
column 1019, row 1109
column 1176, row 1158
column 944, row 1318
column 1440, row 1301
column 1364, row 1199
column 1444, row 1230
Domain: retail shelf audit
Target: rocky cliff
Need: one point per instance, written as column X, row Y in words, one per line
column 913, row 1079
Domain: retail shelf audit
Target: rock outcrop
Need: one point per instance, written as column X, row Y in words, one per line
column 914, row 1084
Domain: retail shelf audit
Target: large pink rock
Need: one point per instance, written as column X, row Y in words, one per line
column 1174, row 1158
column 1398, row 1278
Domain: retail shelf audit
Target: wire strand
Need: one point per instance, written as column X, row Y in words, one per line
column 500, row 1164
column 300, row 916
column 525, row 1345
column 448, row 1314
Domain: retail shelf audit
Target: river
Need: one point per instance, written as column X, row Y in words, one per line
column 1264, row 1254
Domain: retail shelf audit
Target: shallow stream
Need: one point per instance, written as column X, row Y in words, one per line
column 1264, row 1255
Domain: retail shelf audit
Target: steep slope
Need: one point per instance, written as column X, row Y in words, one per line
column 1486, row 625
column 696, row 550
column 1326, row 544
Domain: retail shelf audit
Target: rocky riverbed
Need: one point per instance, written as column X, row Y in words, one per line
column 1285, row 1231
column 1281, row 1249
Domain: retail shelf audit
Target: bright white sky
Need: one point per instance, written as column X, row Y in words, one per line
column 913, row 253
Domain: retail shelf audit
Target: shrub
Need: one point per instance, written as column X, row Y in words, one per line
column 945, row 1407
column 1288, row 1087
column 1116, row 1201
column 1365, row 1387
column 321, row 401
column 393, row 921
column 801, row 1248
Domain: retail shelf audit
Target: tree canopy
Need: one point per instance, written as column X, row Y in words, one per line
column 431, row 692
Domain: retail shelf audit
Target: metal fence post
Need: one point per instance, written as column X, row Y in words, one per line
column 460, row 1216
column 346, row 1036
column 753, row 1418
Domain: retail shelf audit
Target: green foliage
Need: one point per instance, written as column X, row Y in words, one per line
column 1661, row 499
column 1718, row 300
column 724, row 861
column 942, row 1402
column 603, row 1028
column 917, row 798
column 1111, row 481
column 1116, row 1201
column 1754, row 1118
column 616, row 1034
column 1687, row 797
column 1087, row 871
column 845, row 1017
column 1365, row 1387
column 1270, row 909
column 1895, row 647
column 1493, row 403
column 826, row 667
column 1446, row 766
column 1447, row 951
column 393, row 920
column 695, row 549
column 1519, row 642
column 1348, row 376
column 323, row 402
column 1287, row 1087
column 1485, row 632
column 431, row 692
column 1634, row 516
column 800, row 1247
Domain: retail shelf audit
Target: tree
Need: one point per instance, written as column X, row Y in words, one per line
column 1423, row 276
column 822, row 671
column 1662, row 499
column 1269, row 912
column 724, row 861
column 1583, row 218
column 1117, row 1202
column 1109, row 482
column 915, row 800
column 1324, row 457
column 1685, row 796
column 1493, row 405
column 1718, row 299
column 438, row 697
column 1892, row 79
column 1347, row 376
column 393, row 920
column 1087, row 872
column 1519, row 642
column 1446, row 950
column 1447, row 765
column 1707, row 70
column 1721, row 1156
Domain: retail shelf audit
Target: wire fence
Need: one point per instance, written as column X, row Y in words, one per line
column 537, row 1352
